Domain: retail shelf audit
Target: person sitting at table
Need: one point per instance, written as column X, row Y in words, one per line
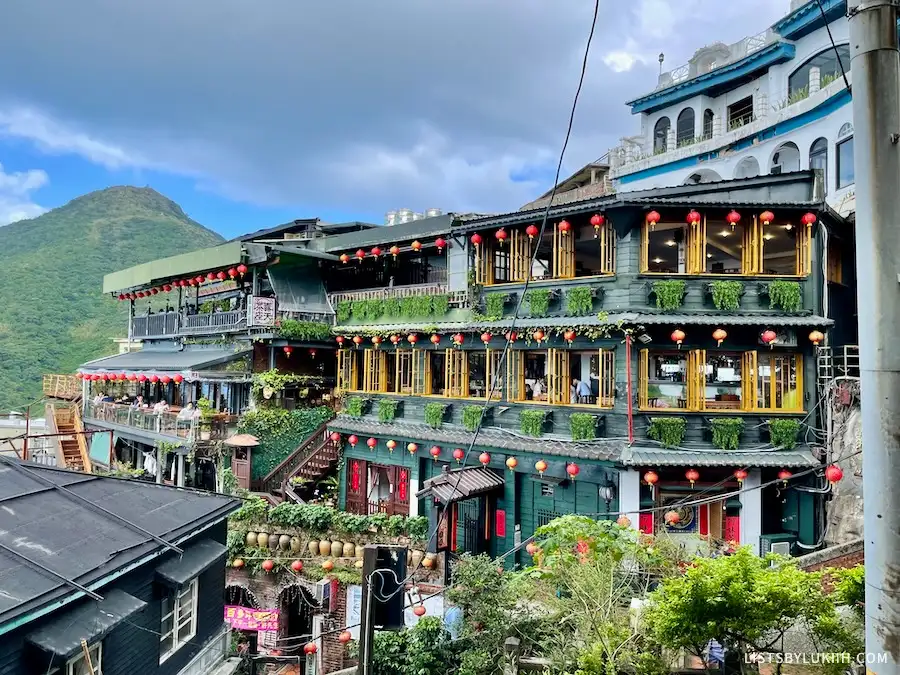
column 160, row 407
column 138, row 402
column 583, row 391
column 187, row 412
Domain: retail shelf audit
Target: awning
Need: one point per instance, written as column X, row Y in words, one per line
column 461, row 484
column 298, row 285
column 735, row 458
column 89, row 621
column 242, row 441
column 159, row 360
column 194, row 561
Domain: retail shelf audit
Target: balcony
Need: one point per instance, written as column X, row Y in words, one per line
column 167, row 424
column 458, row 299
column 170, row 324
column 66, row 387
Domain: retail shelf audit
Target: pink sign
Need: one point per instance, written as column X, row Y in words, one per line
column 246, row 618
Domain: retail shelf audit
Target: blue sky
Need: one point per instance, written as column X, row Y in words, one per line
column 219, row 105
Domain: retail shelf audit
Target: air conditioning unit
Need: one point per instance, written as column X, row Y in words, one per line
column 323, row 593
column 777, row 543
column 782, row 548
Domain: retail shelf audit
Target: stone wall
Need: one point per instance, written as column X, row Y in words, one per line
column 845, row 509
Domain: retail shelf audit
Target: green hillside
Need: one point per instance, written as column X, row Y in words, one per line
column 53, row 315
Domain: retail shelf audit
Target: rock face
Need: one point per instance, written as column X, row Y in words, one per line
column 845, row 510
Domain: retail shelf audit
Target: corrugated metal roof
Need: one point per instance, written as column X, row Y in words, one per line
column 163, row 360
column 741, row 458
column 414, row 229
column 216, row 257
column 460, row 484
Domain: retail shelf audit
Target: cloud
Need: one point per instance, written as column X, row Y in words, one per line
column 15, row 195
column 354, row 106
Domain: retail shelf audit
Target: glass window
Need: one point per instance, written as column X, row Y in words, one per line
column 667, row 248
column 779, row 247
column 818, row 157
column 708, row 118
column 437, row 361
column 536, row 376
column 723, row 253
column 179, row 620
column 829, row 70
column 667, row 380
column 477, row 367
column 684, row 134
column 845, row 174
column 740, row 113
column 661, row 134
column 779, row 383
column 723, row 381
column 78, row 665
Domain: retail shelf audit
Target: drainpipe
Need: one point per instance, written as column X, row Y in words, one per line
column 630, row 388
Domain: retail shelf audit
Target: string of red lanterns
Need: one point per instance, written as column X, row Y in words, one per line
column 163, row 378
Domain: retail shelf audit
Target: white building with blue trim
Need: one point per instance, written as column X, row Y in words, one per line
column 774, row 102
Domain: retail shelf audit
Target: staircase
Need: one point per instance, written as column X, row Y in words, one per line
column 313, row 460
column 72, row 449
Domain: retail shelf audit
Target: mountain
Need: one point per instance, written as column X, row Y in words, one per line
column 53, row 314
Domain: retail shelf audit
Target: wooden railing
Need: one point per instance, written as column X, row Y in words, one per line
column 458, row 299
column 290, row 465
column 83, row 449
column 61, row 386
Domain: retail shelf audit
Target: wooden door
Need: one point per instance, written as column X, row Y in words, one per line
column 240, row 466
column 559, row 380
column 357, row 486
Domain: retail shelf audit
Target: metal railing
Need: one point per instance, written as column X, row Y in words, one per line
column 170, row 324
column 736, row 52
column 215, row 322
column 219, row 427
column 155, row 325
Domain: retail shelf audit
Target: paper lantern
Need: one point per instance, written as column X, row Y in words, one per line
column 484, row 458
column 297, row 565
column 360, row 254
column 532, row 231
column 376, row 340
column 692, row 475
column 653, row 218
column 165, row 379
column 154, row 291
column 435, row 452
column 569, row 336
column 327, row 565
column 597, row 221
column 834, row 473
column 232, row 272
column 532, row 549
column 154, row 379
column 340, row 340
column 733, row 218
column 395, row 339
column 459, row 454
column 573, row 470
column 564, row 227
column 435, row 339
column 512, row 336
column 741, row 476
column 538, row 335
column 310, row 648
column 784, row 475
column 808, row 218
column 335, row 437
column 412, row 338
column 395, row 251
column 719, row 336
column 345, row 637
column 376, row 252
column 419, row 610
column 769, row 337
column 412, row 448
column 475, row 239
column 766, row 217
column 221, row 276
column 312, row 353
column 416, row 246
column 816, row 337
column 142, row 378
column 391, row 445
column 211, row 276
column 650, row 478
column 268, row 565
column 441, row 243
column 486, row 338
column 501, row 236
column 345, row 258
column 623, row 521
column 458, row 339
column 242, row 270
column 372, row 443
column 678, row 337
column 288, row 350
column 512, row 463
column 357, row 340
column 693, row 217
column 540, row 466
column 672, row 518
column 353, row 440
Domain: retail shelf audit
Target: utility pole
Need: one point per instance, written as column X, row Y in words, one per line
column 876, row 119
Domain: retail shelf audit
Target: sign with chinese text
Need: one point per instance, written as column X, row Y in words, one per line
column 246, row 618
column 262, row 311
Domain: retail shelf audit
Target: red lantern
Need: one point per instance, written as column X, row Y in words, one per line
column 232, row 272
column 769, row 337
column 484, row 458
column 435, row 452
column 395, row 250
column 416, row 246
column 165, row 379
column 486, row 338
column 693, row 218
column 242, row 270
column 95, row 378
column 167, row 288
column 183, row 283
column 419, row 610
column 623, row 521
column 540, row 466
column 650, row 478
column 221, row 276
column 808, row 218
column 569, row 336
column 353, row 440
column 372, row 443
column 154, row 379
column 391, row 445
column 142, row 378
column 816, row 337
column 312, row 353
column 268, row 565
column 501, row 236
column 512, row 463
column 532, row 231
column 412, row 338
column 310, row 648
column 475, row 239
column 395, row 339
column 412, row 448
column 340, row 340
column 335, row 437
column 692, row 475
column 198, row 280
column 458, row 455
column 458, row 339
column 297, row 565
column 288, row 350
column 834, row 473
column 345, row 258
column 435, row 339
column 733, row 218
column 784, row 475
column 538, row 335
column 597, row 221
column 719, row 336
column 121, row 296
column 678, row 337
column 357, row 340
column 376, row 340
column 211, row 276
column 672, row 518
column 360, row 254
column 573, row 470
column 376, row 252
column 766, row 217
column 532, row 549
column 653, row 218
column 79, row 375
column 741, row 476
column 345, row 637
column 511, row 336
column 154, row 291
column 140, row 294
column 440, row 242
column 564, row 227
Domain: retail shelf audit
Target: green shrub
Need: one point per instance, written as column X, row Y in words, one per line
column 355, row 406
column 531, row 422
column 669, row 294
column 279, row 432
column 493, row 305
column 343, row 311
column 440, row 304
column 434, row 414
column 304, row 330
column 669, row 431
column 785, row 294
column 538, row 300
column 726, row 432
column 579, row 301
column 583, row 426
column 783, row 433
column 416, row 306
column 726, row 295
column 387, row 409
column 392, row 308
column 471, row 417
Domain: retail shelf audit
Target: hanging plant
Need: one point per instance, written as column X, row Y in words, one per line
column 440, row 304
column 392, row 308
column 434, row 414
column 355, row 406
column 387, row 409
column 726, row 295
column 785, row 294
column 579, row 301
column 538, row 300
column 343, row 311
column 531, row 422
column 493, row 305
column 669, row 294
column 783, row 433
column 669, row 431
column 304, row 330
column 415, row 306
column 726, row 432
column 583, row 426
column 471, row 417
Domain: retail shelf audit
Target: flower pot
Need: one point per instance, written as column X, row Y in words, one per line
column 262, row 540
column 349, row 550
column 251, row 539
column 296, row 544
column 416, row 558
column 284, row 542
column 324, row 547
column 205, row 435
column 313, row 547
column 337, row 549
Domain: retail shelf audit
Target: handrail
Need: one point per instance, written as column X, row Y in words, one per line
column 311, row 445
column 50, row 421
column 82, row 443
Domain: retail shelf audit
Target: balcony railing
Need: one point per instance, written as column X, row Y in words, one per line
column 155, row 325
column 170, row 324
column 214, row 322
column 457, row 298
column 164, row 424
column 61, row 386
column 736, row 52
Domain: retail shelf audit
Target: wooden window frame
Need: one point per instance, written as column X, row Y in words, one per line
column 374, row 371
column 774, row 384
column 559, row 379
column 563, row 266
column 515, row 376
column 606, row 390
column 347, row 370
column 456, row 373
column 177, row 611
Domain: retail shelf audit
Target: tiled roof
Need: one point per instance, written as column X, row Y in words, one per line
column 635, row 456
column 459, row 484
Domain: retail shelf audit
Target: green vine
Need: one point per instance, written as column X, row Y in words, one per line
column 783, row 433
column 279, row 432
column 416, row 306
column 726, row 432
column 786, row 295
column 387, row 409
column 471, row 417
column 669, row 431
column 583, row 426
column 434, row 414
column 355, row 406
column 276, row 382
column 440, row 304
column 493, row 305
column 343, row 311
column 304, row 330
column 538, row 300
column 726, row 295
column 166, row 448
column 392, row 308
column 669, row 294
column 531, row 422
column 579, row 301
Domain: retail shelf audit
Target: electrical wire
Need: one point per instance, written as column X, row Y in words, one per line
column 833, row 45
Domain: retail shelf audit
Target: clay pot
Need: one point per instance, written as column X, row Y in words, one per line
column 262, row 539
column 416, row 558
column 251, row 539
column 349, row 550
column 296, row 544
column 337, row 548
column 359, row 551
column 273, row 542
column 408, row 557
column 324, row 547
column 358, row 564
column 284, row 542
column 313, row 547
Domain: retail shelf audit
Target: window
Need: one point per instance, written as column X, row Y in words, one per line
column 375, row 371
column 684, row 133
column 497, row 263
column 661, row 135
column 348, row 369
column 740, row 113
column 835, row 266
column 562, row 377
column 179, row 620
column 829, row 70
column 708, row 119
column 818, row 157
column 78, row 665
column 845, row 173
column 779, row 384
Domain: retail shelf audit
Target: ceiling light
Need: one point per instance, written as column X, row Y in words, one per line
column 709, row 255
column 789, row 227
column 657, row 260
column 724, row 233
column 768, row 236
column 671, row 242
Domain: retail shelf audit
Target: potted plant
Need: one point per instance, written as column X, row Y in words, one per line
column 206, row 414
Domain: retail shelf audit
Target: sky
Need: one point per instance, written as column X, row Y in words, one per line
column 250, row 114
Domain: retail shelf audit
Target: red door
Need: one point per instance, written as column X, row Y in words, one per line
column 356, row 486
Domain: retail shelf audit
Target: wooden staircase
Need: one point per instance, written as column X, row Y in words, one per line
column 313, row 460
column 72, row 447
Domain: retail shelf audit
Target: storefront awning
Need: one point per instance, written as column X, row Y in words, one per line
column 158, row 361
column 461, row 484
column 738, row 458
column 89, row 621
column 194, row 561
